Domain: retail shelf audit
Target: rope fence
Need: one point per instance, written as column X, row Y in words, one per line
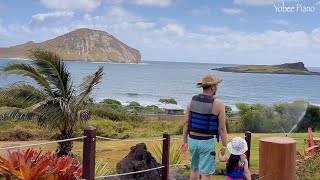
column 128, row 140
column 44, row 143
column 89, row 152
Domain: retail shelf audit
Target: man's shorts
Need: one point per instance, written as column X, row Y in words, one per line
column 202, row 154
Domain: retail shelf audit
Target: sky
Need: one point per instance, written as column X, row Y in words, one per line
column 209, row 31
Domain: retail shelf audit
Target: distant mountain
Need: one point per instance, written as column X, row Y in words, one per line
column 81, row 44
column 287, row 68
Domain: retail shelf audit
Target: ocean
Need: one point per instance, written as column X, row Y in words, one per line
column 149, row 81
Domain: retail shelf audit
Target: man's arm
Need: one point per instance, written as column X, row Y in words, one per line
column 222, row 126
column 186, row 124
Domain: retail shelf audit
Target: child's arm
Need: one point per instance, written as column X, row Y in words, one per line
column 246, row 170
column 221, row 157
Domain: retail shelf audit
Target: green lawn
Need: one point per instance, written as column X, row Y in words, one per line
column 111, row 152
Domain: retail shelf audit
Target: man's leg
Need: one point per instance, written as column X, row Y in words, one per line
column 207, row 159
column 194, row 174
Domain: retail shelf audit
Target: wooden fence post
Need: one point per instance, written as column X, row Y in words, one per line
column 248, row 140
column 89, row 153
column 165, row 156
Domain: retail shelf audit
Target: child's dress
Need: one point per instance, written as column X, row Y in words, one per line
column 238, row 172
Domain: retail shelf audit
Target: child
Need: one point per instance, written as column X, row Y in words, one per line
column 237, row 164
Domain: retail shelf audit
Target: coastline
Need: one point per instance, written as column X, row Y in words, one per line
column 68, row 60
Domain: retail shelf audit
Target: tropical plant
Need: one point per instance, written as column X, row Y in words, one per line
column 102, row 169
column 32, row 165
column 175, row 156
column 53, row 102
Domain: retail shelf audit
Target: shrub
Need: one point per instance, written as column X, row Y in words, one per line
column 106, row 128
column 168, row 101
column 13, row 130
column 151, row 109
column 134, row 104
column 119, row 114
column 30, row 164
column 111, row 101
column 228, row 109
column 311, row 119
column 262, row 119
column 309, row 168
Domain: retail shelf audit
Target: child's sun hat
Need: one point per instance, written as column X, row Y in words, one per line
column 237, row 146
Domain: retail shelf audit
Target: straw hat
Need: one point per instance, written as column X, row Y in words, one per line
column 208, row 80
column 237, row 146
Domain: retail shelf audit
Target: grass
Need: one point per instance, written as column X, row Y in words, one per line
column 112, row 152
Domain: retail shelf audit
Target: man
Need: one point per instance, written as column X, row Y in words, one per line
column 204, row 117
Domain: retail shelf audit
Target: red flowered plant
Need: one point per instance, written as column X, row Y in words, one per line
column 32, row 165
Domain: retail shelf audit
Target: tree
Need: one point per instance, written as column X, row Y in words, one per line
column 53, row 101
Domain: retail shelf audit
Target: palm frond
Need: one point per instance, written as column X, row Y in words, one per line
column 18, row 114
column 22, row 93
column 54, row 69
column 88, row 84
column 28, row 71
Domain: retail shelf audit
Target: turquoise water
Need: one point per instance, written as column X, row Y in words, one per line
column 150, row 81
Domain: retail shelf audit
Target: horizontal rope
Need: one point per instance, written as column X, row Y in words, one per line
column 44, row 143
column 128, row 140
column 129, row 173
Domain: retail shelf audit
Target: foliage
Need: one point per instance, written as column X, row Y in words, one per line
column 175, row 153
column 102, row 169
column 281, row 117
column 168, row 101
column 112, row 102
column 228, row 109
column 54, row 102
column 309, row 169
column 118, row 114
column 134, row 104
column 32, row 165
column 293, row 112
column 13, row 130
column 260, row 118
column 311, row 119
column 106, row 128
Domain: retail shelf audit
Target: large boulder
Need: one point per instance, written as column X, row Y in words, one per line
column 139, row 159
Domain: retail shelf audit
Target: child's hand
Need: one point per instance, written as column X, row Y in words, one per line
column 221, row 157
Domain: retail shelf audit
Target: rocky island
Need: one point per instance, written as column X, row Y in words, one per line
column 287, row 68
column 82, row 45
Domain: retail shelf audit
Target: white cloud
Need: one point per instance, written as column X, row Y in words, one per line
column 71, row 5
column 316, row 35
column 203, row 11
column 155, row 3
column 53, row 15
column 213, row 29
column 317, row 3
column 163, row 38
column 261, row 2
column 281, row 22
column 174, row 29
column 232, row 12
